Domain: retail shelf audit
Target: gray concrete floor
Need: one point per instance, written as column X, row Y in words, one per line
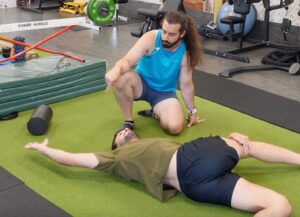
column 113, row 42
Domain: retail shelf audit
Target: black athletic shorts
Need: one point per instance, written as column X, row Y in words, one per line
column 152, row 96
column 204, row 170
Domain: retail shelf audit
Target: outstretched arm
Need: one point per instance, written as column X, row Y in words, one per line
column 87, row 160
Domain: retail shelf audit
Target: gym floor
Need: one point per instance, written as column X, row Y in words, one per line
column 86, row 124
column 113, row 42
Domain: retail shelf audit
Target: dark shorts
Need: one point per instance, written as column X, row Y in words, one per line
column 204, row 170
column 152, row 96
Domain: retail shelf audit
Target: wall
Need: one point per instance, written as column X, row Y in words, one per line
column 277, row 15
column 8, row 3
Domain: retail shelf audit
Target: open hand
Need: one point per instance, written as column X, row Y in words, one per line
column 242, row 140
column 36, row 145
column 110, row 78
column 194, row 120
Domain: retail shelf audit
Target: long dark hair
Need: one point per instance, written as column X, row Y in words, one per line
column 191, row 38
column 113, row 143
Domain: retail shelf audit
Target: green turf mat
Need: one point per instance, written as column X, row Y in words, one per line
column 86, row 124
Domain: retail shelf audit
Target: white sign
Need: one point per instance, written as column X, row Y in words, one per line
column 81, row 21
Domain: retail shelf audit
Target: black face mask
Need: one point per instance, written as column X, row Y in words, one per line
column 168, row 45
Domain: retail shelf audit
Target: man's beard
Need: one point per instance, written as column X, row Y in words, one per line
column 131, row 135
column 169, row 45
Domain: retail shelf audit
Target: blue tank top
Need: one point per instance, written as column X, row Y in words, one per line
column 160, row 70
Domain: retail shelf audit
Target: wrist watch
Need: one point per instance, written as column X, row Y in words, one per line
column 193, row 111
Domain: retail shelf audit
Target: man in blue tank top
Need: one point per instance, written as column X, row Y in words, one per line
column 162, row 58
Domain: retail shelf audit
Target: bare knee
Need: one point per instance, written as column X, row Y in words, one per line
column 175, row 127
column 170, row 115
column 122, row 82
column 284, row 206
column 280, row 206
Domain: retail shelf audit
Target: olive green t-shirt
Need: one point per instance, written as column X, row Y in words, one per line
column 145, row 161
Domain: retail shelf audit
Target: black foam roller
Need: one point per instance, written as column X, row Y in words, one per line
column 39, row 120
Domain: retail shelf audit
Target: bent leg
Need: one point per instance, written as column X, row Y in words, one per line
column 127, row 88
column 263, row 201
column 170, row 114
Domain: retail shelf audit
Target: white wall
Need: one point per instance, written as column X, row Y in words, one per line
column 277, row 15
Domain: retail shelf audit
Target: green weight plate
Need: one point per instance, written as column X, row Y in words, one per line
column 101, row 11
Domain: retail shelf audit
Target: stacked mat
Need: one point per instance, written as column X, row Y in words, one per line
column 47, row 80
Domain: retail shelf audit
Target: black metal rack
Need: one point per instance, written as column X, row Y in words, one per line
column 261, row 44
column 234, row 54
